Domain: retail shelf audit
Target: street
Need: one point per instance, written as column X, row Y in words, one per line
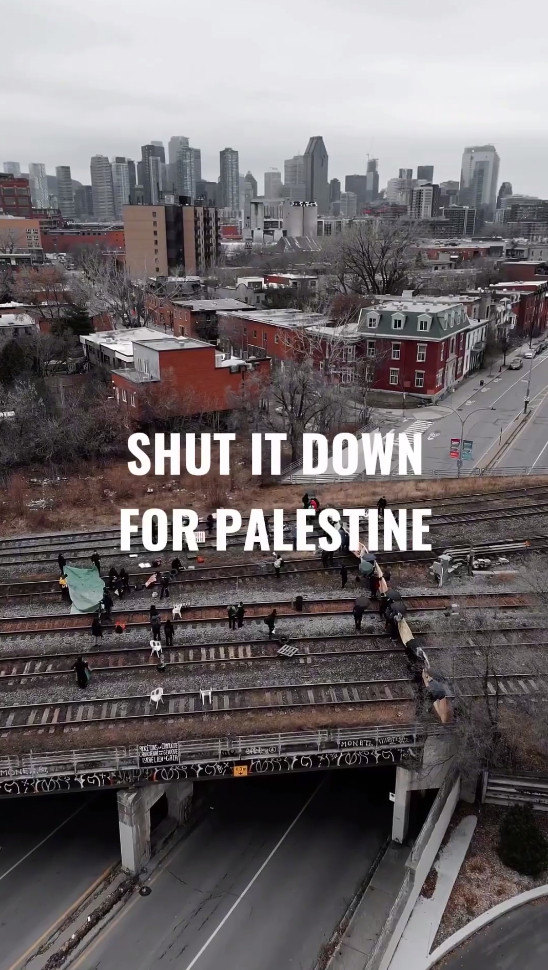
column 54, row 848
column 262, row 881
column 517, row 939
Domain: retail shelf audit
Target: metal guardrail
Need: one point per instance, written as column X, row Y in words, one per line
column 75, row 762
column 523, row 789
column 331, row 479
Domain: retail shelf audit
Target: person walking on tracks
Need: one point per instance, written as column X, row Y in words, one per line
column 169, row 630
column 344, row 576
column 83, row 672
column 155, row 626
column 278, row 563
column 96, row 629
column 358, row 612
column 231, row 613
column 210, row 521
column 108, row 604
column 96, row 560
column 306, row 500
column 240, row 613
column 62, row 563
column 381, row 505
column 270, row 621
column 164, row 583
column 112, row 577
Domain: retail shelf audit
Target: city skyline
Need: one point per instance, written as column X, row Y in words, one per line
column 360, row 105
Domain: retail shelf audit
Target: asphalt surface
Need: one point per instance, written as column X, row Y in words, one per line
column 517, row 940
column 53, row 849
column 261, row 882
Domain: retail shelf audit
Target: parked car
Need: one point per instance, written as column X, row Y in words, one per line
column 515, row 364
column 528, row 355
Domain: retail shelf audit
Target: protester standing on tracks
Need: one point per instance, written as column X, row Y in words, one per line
column 278, row 563
column 306, row 500
column 299, row 603
column 123, row 579
column 240, row 613
column 169, row 630
column 83, row 672
column 62, row 563
column 210, row 522
column 96, row 628
column 358, row 612
column 108, row 604
column 345, row 540
column 164, row 583
column 231, row 613
column 381, row 505
column 344, row 576
column 271, row 623
column 112, row 577
column 176, row 566
column 95, row 558
column 155, row 626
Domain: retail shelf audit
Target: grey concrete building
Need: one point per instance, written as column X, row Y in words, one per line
column 316, row 174
column 102, row 189
column 65, row 191
column 229, row 183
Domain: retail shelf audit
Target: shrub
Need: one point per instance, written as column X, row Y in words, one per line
column 522, row 846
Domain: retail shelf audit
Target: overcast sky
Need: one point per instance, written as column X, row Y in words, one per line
column 408, row 81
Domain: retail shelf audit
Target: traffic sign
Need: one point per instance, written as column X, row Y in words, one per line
column 240, row 771
column 467, row 446
column 454, row 451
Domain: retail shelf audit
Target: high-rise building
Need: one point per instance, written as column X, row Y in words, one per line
column 479, row 178
column 102, row 188
column 38, row 181
column 121, row 184
column 83, row 203
column 425, row 201
column 197, row 164
column 208, row 192
column 153, row 172
column 294, row 178
column 187, row 171
column 405, row 173
column 372, row 180
column 132, row 175
column 65, row 191
column 174, row 145
column 161, row 150
column 425, row 173
column 335, row 190
column 160, row 239
column 12, row 168
column 348, row 205
column 272, row 184
column 449, row 192
column 398, row 191
column 252, row 183
column 316, row 174
column 504, row 192
column 229, row 182
column 461, row 220
column 358, row 185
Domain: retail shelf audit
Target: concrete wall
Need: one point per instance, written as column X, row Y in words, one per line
column 134, row 818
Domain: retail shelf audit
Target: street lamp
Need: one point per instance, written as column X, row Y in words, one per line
column 462, row 425
column 528, row 391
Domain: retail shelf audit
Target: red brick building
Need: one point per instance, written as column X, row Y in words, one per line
column 529, row 303
column 15, row 197
column 261, row 333
column 524, row 270
column 106, row 238
column 184, row 376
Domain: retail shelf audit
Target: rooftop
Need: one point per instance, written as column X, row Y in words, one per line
column 17, row 320
column 422, row 306
column 174, row 343
column 223, row 304
column 283, row 318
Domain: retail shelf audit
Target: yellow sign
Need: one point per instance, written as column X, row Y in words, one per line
column 240, row 771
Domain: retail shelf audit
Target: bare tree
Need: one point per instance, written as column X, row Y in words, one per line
column 9, row 241
column 50, row 289
column 111, row 290
column 375, row 256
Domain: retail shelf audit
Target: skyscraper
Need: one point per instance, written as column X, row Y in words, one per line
column 425, row 201
column 405, row 173
column 358, row 185
column 425, row 173
column 132, row 175
column 252, row 183
column 153, row 172
column 38, row 185
column 294, row 179
column 65, row 191
column 102, row 189
column 174, row 145
column 372, row 180
column 121, row 184
column 479, row 178
column 230, row 179
column 272, row 184
column 315, row 173
column 187, row 171
column 503, row 193
column 12, row 168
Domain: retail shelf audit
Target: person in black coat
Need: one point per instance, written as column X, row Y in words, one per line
column 62, row 563
column 381, row 505
column 96, row 628
column 210, row 521
column 271, row 623
column 358, row 612
column 82, row 672
column 155, row 626
column 169, row 630
column 112, row 577
column 231, row 613
column 164, row 584
column 96, row 561
column 240, row 613
column 176, row 565
column 108, row 604
column 124, row 576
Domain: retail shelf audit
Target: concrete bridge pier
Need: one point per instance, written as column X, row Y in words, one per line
column 134, row 818
column 437, row 760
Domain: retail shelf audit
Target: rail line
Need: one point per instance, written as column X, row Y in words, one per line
column 17, row 551
column 275, row 697
column 62, row 622
column 21, row 669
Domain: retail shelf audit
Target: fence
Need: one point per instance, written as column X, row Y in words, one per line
column 515, row 790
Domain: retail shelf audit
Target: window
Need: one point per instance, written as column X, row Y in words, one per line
column 321, row 365
column 396, row 351
column 254, row 333
column 370, row 348
column 264, row 338
column 134, row 400
column 397, row 323
column 442, row 352
column 394, row 375
column 155, row 232
column 117, row 393
column 153, row 215
column 419, row 378
column 350, row 354
column 439, row 377
column 372, row 321
column 124, row 396
column 452, row 348
column 276, row 339
column 421, row 353
column 154, row 224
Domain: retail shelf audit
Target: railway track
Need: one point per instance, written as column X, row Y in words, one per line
column 257, row 611
column 38, row 550
column 47, row 716
column 32, row 667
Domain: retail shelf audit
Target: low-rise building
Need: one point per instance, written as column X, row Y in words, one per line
column 529, row 301
column 264, row 333
column 19, row 234
column 14, row 325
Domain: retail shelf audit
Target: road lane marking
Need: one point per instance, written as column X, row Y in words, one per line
column 244, row 893
column 51, row 834
column 61, row 919
column 538, row 458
